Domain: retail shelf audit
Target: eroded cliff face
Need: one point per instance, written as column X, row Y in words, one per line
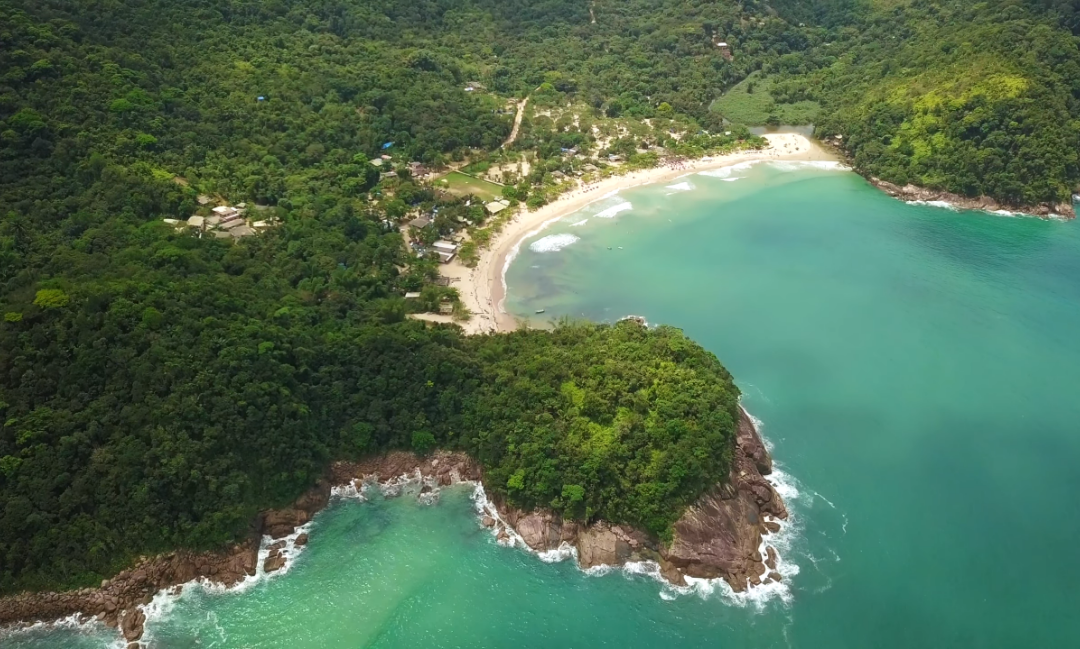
column 719, row 536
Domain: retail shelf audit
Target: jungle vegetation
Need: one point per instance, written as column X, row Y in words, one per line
column 158, row 388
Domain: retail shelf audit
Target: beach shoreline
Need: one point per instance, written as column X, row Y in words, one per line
column 482, row 289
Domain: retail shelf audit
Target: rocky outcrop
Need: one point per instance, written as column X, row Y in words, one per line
column 117, row 600
column 985, row 203
column 443, row 468
column 720, row 535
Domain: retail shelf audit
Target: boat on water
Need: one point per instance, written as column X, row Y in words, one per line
column 540, row 310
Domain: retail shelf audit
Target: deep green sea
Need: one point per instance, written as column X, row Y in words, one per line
column 916, row 370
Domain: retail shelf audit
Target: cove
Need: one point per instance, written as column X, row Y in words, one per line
column 914, row 368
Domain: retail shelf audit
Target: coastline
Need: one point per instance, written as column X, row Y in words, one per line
column 482, row 289
column 728, row 537
column 921, row 195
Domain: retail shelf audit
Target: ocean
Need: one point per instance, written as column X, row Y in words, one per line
column 914, row 369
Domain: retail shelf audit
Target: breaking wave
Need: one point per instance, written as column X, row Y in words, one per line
column 946, row 205
column 553, row 243
column 610, row 212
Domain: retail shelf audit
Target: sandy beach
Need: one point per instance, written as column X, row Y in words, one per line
column 482, row 289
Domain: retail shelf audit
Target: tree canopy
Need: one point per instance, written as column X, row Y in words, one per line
column 158, row 388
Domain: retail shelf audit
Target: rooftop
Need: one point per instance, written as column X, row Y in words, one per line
column 495, row 207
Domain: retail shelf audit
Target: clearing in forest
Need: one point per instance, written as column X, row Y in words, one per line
column 751, row 103
column 461, row 184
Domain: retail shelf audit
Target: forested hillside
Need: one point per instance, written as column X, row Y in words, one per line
column 158, row 388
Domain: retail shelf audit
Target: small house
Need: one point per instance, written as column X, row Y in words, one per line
column 444, row 246
column 242, row 231
column 419, row 222
column 230, row 224
column 446, row 308
column 494, row 207
column 196, row 221
column 413, row 295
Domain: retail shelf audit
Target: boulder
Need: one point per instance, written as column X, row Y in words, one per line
column 282, row 522
column 301, row 540
column 274, row 562
column 131, row 624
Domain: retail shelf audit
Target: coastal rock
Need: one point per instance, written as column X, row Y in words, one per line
column 719, row 535
column 275, row 561
column 281, row 523
column 913, row 193
column 301, row 540
column 131, row 625
column 442, row 467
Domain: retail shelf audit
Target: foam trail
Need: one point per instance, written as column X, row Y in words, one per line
column 75, row 623
column 942, row 204
column 725, row 172
column 610, row 212
column 553, row 243
column 577, row 223
column 795, row 165
column 756, row 596
column 680, row 187
column 165, row 600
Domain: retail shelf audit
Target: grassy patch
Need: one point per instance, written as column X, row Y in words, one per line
column 750, row 103
column 462, row 185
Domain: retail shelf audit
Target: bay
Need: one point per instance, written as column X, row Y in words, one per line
column 914, row 368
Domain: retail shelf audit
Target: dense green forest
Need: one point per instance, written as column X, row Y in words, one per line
column 158, row 388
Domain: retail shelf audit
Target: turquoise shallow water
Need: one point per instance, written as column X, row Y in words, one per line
column 916, row 370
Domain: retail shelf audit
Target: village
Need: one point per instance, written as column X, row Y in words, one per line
column 224, row 221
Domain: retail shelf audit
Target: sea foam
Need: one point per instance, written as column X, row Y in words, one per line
column 795, row 165
column 610, row 212
column 553, row 242
column 755, row 596
column 165, row 600
column 942, row 204
column 74, row 623
column 577, row 223
column 725, row 172
column 680, row 187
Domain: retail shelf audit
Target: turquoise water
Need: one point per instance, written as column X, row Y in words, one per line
column 916, row 370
